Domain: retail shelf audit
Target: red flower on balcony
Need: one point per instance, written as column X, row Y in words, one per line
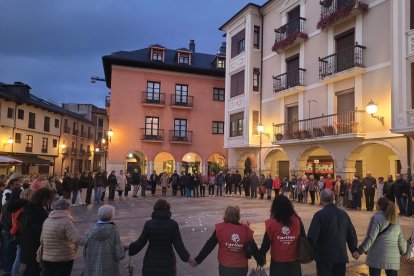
column 282, row 44
column 333, row 17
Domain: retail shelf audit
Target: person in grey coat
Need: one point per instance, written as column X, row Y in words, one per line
column 384, row 243
column 103, row 248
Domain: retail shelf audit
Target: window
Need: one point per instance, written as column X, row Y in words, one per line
column 89, row 132
column 411, row 14
column 73, row 147
column 57, row 123
column 32, row 120
column 18, row 138
column 180, row 127
column 236, row 124
column 237, row 84
column 74, row 130
column 181, row 94
column 221, row 63
column 256, row 37
column 183, row 58
column 218, row 127
column 20, row 114
column 44, row 145
column 46, row 126
column 256, row 79
column 10, row 113
column 100, row 136
column 218, row 94
column 29, row 143
column 88, row 149
column 54, row 143
column 100, row 122
column 151, row 126
column 82, row 132
column 153, row 91
column 157, row 55
column 255, row 122
column 237, row 43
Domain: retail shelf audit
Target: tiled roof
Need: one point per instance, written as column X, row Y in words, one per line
column 200, row 63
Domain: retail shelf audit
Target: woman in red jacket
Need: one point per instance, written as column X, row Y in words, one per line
column 282, row 233
column 231, row 236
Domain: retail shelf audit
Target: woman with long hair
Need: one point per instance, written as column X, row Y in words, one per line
column 384, row 243
column 231, row 236
column 281, row 236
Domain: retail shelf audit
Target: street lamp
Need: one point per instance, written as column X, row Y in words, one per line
column 103, row 141
column 260, row 129
column 10, row 141
column 372, row 109
column 63, row 147
column 110, row 134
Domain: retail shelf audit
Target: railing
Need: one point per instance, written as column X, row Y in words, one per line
column 153, row 98
column 73, row 151
column 336, row 124
column 181, row 136
column 148, row 134
column 75, row 132
column 341, row 61
column 330, row 7
column 182, row 100
column 290, row 29
column 107, row 101
column 83, row 134
column 66, row 129
column 81, row 152
column 288, row 80
column 29, row 149
column 90, row 136
column 44, row 150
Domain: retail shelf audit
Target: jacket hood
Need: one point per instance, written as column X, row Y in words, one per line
column 161, row 214
column 101, row 231
column 57, row 214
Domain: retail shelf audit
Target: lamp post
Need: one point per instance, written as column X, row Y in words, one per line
column 260, row 129
column 10, row 141
column 110, row 134
column 62, row 147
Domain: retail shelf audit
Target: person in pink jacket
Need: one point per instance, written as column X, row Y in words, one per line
column 276, row 185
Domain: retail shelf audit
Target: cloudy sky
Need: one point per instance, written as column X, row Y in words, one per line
column 56, row 46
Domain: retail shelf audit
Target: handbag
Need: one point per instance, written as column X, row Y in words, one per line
column 305, row 253
column 258, row 271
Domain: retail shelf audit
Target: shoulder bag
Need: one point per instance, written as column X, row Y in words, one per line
column 305, row 253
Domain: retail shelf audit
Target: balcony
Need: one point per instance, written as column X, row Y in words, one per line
column 336, row 126
column 290, row 34
column 66, row 151
column 82, row 152
column 334, row 11
column 153, row 99
column 289, row 83
column 83, row 134
column 44, row 150
column 181, row 136
column 73, row 151
column 90, row 136
column 66, row 130
column 107, row 101
column 342, row 65
column 152, row 135
column 75, row 132
column 29, row 149
column 182, row 101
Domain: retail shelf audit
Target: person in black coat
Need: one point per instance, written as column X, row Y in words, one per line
column 89, row 180
column 83, row 185
column 368, row 184
column 112, row 182
column 105, row 184
column 330, row 231
column 31, row 223
column 162, row 233
column 67, row 186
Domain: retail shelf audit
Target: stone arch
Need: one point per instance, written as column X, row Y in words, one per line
column 191, row 162
column 247, row 162
column 379, row 157
column 164, row 162
column 302, row 163
column 275, row 162
column 135, row 159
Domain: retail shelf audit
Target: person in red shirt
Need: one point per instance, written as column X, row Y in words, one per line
column 281, row 236
column 276, row 185
column 231, row 236
column 329, row 183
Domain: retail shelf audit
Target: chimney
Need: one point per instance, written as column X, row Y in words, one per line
column 223, row 48
column 19, row 89
column 192, row 45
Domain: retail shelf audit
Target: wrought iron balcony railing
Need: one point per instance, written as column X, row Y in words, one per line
column 288, row 80
column 341, row 61
column 181, row 136
column 182, row 100
column 329, row 125
column 66, row 130
column 153, row 98
column 150, row 134
column 288, row 33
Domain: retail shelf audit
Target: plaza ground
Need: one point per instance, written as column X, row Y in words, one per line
column 197, row 218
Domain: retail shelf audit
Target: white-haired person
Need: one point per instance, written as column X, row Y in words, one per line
column 103, row 249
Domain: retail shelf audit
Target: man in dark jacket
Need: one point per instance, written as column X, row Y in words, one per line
column 368, row 184
column 174, row 181
column 246, row 185
column 330, row 231
column 236, row 180
column 135, row 181
column 105, row 184
column 220, row 181
column 227, row 179
column 67, row 186
column 254, row 184
column 181, row 184
column 112, row 185
column 98, row 185
column 401, row 191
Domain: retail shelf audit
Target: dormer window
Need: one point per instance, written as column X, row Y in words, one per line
column 157, row 55
column 183, row 58
column 221, row 63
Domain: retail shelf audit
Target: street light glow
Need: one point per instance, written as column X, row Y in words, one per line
column 10, row 141
column 62, row 146
column 260, row 128
column 103, row 141
column 372, row 108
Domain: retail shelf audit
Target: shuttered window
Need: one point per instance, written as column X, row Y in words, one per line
column 238, row 43
column 237, row 84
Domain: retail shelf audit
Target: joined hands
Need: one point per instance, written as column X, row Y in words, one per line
column 192, row 262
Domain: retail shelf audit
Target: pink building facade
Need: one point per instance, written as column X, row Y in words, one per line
column 166, row 110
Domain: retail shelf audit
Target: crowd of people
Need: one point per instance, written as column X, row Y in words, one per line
column 38, row 233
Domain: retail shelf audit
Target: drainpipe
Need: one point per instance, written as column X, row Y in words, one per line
column 409, row 147
column 261, row 66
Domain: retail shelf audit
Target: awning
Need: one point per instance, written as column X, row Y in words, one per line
column 31, row 160
column 8, row 160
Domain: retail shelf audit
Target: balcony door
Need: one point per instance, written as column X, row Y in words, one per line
column 181, row 94
column 292, row 67
column 292, row 116
column 345, row 105
column 345, row 53
column 152, row 125
column 293, row 21
column 180, row 128
column 153, row 91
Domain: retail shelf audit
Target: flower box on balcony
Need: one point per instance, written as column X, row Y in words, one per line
column 329, row 130
column 279, row 137
column 304, row 134
column 347, row 127
column 317, row 132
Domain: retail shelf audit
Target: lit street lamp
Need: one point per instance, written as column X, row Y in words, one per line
column 372, row 109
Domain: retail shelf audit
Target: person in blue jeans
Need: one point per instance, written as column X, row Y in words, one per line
column 187, row 184
column 220, row 182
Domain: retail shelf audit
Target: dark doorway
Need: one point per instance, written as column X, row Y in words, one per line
column 358, row 168
column 283, row 169
column 248, row 166
column 293, row 20
column 345, row 53
column 292, row 68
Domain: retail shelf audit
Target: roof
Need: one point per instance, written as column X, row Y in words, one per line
column 30, row 159
column 157, row 46
column 241, row 11
column 23, row 96
column 201, row 64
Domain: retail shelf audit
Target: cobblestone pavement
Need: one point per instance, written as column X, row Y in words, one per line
column 197, row 218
